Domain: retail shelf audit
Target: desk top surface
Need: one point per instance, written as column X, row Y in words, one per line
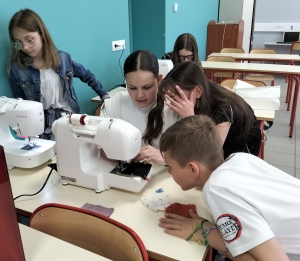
column 252, row 68
column 39, row 246
column 128, row 208
column 260, row 57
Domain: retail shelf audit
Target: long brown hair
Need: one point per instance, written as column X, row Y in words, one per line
column 188, row 42
column 30, row 21
column 147, row 61
column 214, row 97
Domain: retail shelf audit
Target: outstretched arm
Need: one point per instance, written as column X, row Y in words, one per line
column 88, row 77
column 183, row 227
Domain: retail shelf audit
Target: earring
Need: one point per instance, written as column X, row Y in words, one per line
column 197, row 104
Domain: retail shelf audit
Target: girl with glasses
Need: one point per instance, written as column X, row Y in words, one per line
column 185, row 49
column 134, row 104
column 39, row 72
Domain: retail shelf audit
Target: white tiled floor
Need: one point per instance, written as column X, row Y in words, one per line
column 280, row 150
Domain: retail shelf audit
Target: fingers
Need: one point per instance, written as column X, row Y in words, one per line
column 181, row 93
column 170, row 226
column 172, row 232
column 147, row 154
column 174, row 217
column 173, row 96
column 193, row 215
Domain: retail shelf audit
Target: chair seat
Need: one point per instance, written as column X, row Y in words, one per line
column 260, row 77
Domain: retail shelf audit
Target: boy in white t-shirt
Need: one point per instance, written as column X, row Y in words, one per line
column 256, row 207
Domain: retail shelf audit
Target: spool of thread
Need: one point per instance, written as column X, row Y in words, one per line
column 79, row 119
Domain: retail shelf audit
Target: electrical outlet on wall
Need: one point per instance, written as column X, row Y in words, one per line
column 118, row 45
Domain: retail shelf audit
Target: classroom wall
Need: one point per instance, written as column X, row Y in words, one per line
column 148, row 26
column 155, row 26
column 85, row 29
column 274, row 11
column 192, row 17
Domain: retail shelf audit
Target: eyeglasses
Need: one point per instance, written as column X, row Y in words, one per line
column 19, row 45
column 184, row 57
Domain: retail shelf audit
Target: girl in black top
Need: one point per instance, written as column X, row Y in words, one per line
column 187, row 91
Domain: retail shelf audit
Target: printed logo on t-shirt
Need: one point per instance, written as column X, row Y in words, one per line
column 230, row 227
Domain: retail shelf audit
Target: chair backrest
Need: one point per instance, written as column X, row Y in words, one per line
column 264, row 51
column 220, row 59
column 231, row 82
column 89, row 230
column 232, row 50
column 295, row 46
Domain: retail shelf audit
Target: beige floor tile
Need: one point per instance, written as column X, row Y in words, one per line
column 297, row 162
column 283, row 121
column 283, row 114
column 280, row 137
column 297, row 150
column 281, row 147
column 279, row 128
column 286, row 160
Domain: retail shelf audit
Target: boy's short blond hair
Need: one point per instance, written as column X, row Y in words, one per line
column 194, row 138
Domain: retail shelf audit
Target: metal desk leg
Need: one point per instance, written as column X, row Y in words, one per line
column 294, row 106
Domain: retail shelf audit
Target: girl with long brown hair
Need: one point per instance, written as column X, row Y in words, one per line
column 189, row 92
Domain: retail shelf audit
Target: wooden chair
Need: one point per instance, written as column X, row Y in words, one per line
column 218, row 76
column 89, row 230
column 261, row 77
column 98, row 109
column 232, row 50
column 230, row 84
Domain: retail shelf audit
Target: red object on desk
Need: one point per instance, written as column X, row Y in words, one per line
column 181, row 209
column 11, row 247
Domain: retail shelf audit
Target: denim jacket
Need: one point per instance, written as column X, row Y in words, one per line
column 26, row 82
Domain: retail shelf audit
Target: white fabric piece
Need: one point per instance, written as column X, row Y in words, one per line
column 251, row 202
column 259, row 98
column 121, row 106
column 157, row 202
column 52, row 93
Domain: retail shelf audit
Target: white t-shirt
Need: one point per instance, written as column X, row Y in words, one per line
column 251, row 202
column 121, row 106
column 52, row 93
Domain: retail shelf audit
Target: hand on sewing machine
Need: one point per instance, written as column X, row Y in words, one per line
column 150, row 154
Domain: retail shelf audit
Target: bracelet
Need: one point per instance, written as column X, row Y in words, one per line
column 224, row 254
column 200, row 242
column 201, row 224
column 205, row 232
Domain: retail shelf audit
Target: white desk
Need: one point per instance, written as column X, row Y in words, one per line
column 42, row 247
column 274, row 69
column 128, row 207
column 261, row 57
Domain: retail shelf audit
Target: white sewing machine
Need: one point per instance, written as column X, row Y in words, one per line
column 27, row 119
column 80, row 162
